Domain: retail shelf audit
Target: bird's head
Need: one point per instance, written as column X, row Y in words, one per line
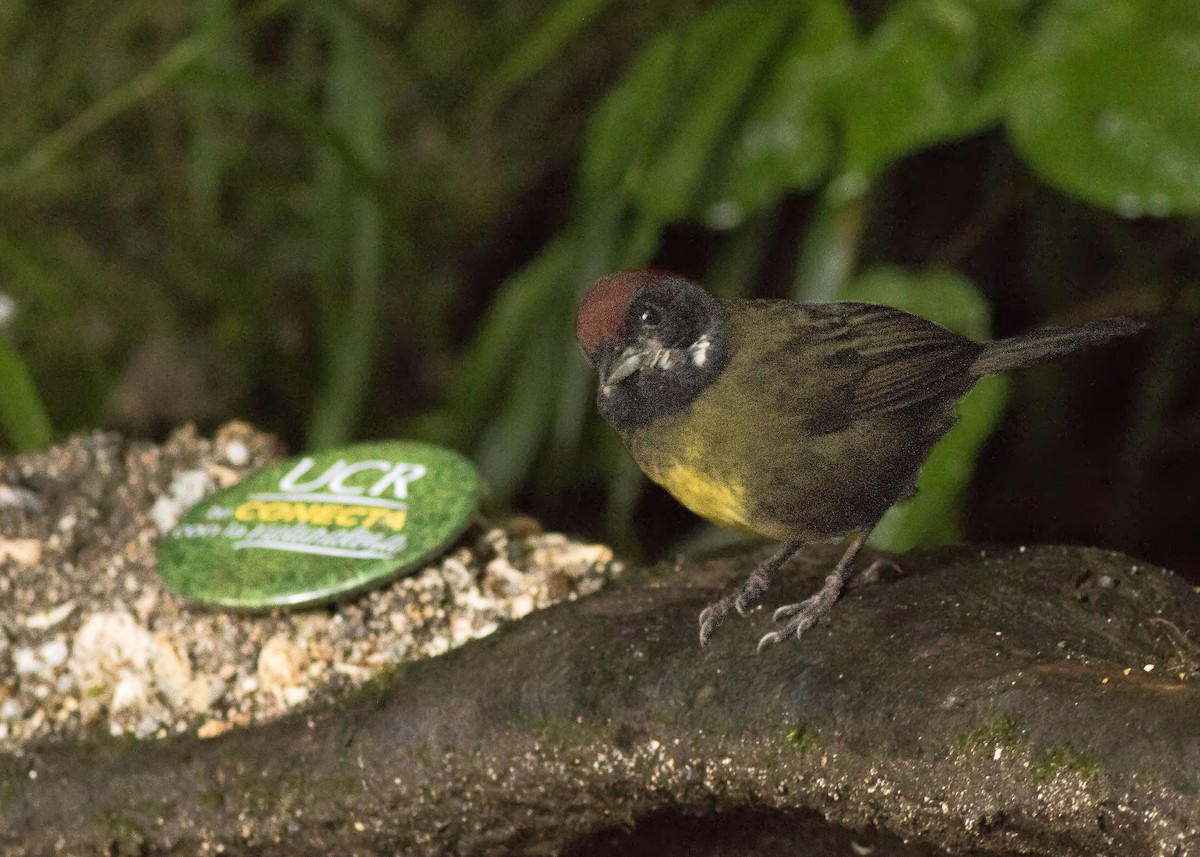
column 655, row 340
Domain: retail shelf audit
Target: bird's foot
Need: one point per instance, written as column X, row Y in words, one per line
column 798, row 618
column 795, row 619
column 743, row 598
column 711, row 618
column 740, row 599
column 877, row 572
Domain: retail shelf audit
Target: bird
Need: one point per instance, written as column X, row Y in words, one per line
column 793, row 421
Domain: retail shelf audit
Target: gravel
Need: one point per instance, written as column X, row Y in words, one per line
column 91, row 642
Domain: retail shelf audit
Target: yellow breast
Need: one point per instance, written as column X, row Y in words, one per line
column 714, row 499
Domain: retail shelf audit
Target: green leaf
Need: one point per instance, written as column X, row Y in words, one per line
column 717, row 67
column 548, row 40
column 1108, row 105
column 132, row 93
column 785, row 141
column 494, row 360
column 942, row 296
column 829, row 251
column 446, row 38
column 283, row 103
column 657, row 134
column 625, row 125
column 351, row 238
column 934, row 515
column 512, row 440
column 929, row 73
column 22, row 416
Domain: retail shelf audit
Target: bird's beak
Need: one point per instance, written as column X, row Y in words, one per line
column 625, row 364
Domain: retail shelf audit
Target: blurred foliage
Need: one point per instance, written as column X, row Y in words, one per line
column 21, row 411
column 301, row 212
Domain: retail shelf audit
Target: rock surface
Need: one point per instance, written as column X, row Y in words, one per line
column 1039, row 701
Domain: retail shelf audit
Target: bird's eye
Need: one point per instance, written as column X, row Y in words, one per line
column 650, row 316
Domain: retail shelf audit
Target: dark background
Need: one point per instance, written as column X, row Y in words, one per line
column 357, row 220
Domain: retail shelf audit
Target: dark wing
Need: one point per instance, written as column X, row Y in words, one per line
column 885, row 359
column 907, row 359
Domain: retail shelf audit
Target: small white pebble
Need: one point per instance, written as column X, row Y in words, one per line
column 20, row 498
column 236, row 453
column 248, row 684
column 21, row 551
column 165, row 515
column 54, row 653
column 521, row 605
column 212, row 728
column 281, row 665
column 202, row 692
column 147, row 726
column 131, row 691
column 190, row 486
column 172, row 672
column 26, row 661
column 460, row 629
column 50, row 618
column 1148, row 668
column 293, row 696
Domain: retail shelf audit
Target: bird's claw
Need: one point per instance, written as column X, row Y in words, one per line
column 743, row 598
column 714, row 614
column 787, row 611
column 769, row 640
column 797, row 618
column 710, row 619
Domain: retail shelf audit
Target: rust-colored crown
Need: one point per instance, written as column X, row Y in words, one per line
column 603, row 308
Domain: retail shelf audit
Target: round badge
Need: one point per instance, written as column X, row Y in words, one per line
column 321, row 526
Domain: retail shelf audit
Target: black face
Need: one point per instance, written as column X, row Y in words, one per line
column 679, row 331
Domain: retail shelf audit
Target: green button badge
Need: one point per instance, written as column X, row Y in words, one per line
column 315, row 528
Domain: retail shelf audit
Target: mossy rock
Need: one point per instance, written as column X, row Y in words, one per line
column 983, row 702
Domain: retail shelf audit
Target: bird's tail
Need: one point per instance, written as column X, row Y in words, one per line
column 1048, row 342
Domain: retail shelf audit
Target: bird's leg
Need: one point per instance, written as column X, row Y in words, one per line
column 746, row 594
column 798, row 618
